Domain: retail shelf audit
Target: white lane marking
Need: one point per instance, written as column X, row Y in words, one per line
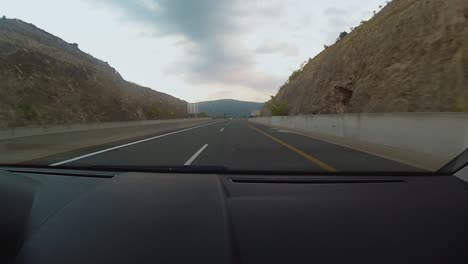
column 126, row 145
column 196, row 155
column 283, row 131
column 221, row 129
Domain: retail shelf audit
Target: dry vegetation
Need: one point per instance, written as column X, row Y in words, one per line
column 44, row 80
column 412, row 56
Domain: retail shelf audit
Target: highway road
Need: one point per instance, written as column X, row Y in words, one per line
column 235, row 144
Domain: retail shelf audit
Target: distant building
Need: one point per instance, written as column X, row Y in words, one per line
column 192, row 109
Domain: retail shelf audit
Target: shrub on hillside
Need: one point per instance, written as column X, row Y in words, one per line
column 342, row 36
column 278, row 108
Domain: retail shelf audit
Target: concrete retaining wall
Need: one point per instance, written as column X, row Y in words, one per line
column 424, row 140
column 32, row 145
column 15, row 132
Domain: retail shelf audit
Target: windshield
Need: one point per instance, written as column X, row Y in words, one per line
column 298, row 86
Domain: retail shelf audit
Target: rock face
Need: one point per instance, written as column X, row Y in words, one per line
column 411, row 57
column 45, row 80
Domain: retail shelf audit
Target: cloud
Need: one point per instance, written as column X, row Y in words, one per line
column 271, row 47
column 211, row 31
column 196, row 20
column 338, row 20
column 334, row 11
column 266, row 8
column 222, row 68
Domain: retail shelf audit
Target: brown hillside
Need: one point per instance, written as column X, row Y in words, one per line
column 411, row 57
column 45, row 80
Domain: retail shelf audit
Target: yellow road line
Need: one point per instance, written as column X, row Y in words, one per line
column 314, row 160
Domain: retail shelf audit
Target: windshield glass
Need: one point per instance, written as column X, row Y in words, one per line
column 311, row 86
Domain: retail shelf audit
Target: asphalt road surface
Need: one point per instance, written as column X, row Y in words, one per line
column 235, row 144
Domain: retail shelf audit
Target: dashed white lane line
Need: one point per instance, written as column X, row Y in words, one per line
column 126, row 145
column 195, row 155
column 222, row 129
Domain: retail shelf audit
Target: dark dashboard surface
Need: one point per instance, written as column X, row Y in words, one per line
column 209, row 218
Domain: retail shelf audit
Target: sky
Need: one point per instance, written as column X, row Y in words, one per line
column 198, row 50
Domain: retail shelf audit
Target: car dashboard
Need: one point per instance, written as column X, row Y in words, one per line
column 56, row 216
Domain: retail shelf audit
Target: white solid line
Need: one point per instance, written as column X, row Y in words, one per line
column 221, row 129
column 126, row 145
column 195, row 155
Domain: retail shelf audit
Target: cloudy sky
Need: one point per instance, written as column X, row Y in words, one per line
column 198, row 49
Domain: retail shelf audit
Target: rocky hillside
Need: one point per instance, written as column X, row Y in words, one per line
column 45, row 80
column 411, row 56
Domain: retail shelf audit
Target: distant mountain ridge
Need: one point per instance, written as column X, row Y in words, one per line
column 45, row 80
column 229, row 108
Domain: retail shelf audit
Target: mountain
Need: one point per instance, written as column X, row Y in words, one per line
column 229, row 108
column 45, row 80
column 412, row 56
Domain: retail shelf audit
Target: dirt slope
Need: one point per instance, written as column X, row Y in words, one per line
column 45, row 80
column 412, row 56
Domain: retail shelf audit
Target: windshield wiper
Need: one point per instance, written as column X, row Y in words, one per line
column 110, row 171
column 206, row 170
column 163, row 169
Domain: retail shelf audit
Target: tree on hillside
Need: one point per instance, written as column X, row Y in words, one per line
column 278, row 108
column 342, row 35
column 294, row 75
column 3, row 17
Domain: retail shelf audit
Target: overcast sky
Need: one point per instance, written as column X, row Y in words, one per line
column 198, row 49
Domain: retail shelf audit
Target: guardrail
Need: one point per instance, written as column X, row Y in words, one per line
column 424, row 140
